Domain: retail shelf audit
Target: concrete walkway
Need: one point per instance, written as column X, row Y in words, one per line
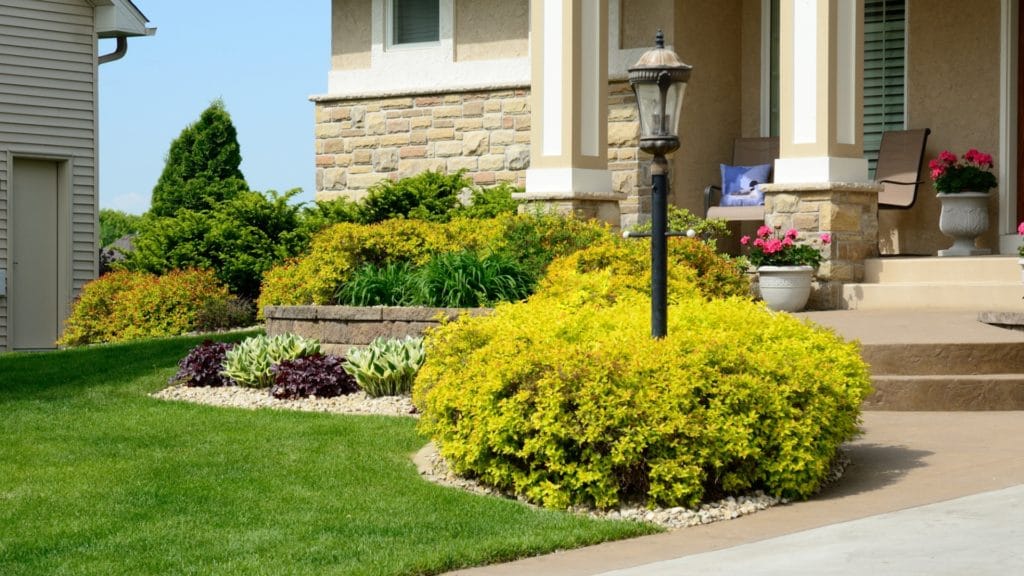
column 883, row 517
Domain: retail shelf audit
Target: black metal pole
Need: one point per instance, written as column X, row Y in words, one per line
column 659, row 247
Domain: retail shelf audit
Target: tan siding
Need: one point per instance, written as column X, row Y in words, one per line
column 47, row 109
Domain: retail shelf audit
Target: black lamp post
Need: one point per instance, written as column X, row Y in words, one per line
column 659, row 81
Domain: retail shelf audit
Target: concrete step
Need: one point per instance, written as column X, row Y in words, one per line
column 947, row 393
column 979, row 269
column 936, row 360
column 928, row 295
column 993, row 282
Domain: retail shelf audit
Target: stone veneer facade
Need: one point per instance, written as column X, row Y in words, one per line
column 847, row 212
column 486, row 133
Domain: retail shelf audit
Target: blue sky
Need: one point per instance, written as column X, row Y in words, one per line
column 263, row 59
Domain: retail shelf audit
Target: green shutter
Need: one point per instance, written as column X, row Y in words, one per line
column 884, row 72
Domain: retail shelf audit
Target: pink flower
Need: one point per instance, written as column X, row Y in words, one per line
column 826, row 238
column 787, row 241
column 764, row 231
column 937, row 172
column 1020, row 229
column 759, row 242
column 791, row 233
column 947, row 157
column 746, row 239
column 772, row 246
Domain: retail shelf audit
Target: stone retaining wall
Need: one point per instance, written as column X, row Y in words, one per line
column 340, row 327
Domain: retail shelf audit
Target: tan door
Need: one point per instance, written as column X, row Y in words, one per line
column 34, row 275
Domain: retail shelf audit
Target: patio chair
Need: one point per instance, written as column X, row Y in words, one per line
column 745, row 152
column 899, row 167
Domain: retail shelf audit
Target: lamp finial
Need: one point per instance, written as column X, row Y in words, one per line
column 659, row 39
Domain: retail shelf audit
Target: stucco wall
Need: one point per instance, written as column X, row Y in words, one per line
column 712, row 108
column 641, row 20
column 750, row 68
column 351, row 23
column 491, row 29
column 953, row 88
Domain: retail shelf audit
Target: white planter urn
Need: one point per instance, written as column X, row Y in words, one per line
column 785, row 288
column 1021, row 262
column 964, row 217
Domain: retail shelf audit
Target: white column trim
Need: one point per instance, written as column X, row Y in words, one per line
column 805, row 72
column 821, row 169
column 554, row 41
column 569, row 183
column 766, row 68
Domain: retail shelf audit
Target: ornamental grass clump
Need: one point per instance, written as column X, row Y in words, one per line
column 565, row 399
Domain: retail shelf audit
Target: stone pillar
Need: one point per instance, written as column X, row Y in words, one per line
column 569, row 108
column 821, row 177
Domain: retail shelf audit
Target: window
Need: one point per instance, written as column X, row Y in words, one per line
column 415, row 21
column 885, row 23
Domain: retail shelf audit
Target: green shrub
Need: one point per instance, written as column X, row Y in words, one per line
column 249, row 363
column 431, row 196
column 565, row 399
column 467, row 280
column 134, row 305
column 682, row 220
column 387, row 367
column 240, row 239
column 490, row 202
column 115, row 224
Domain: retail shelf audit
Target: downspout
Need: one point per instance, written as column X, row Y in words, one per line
column 118, row 53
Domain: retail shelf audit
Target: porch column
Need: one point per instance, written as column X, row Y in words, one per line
column 569, row 108
column 821, row 177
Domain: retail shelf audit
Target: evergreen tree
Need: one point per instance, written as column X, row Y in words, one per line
column 202, row 167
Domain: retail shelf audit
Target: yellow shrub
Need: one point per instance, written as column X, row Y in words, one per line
column 124, row 306
column 565, row 399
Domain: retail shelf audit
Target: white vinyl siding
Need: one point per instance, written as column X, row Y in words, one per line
column 47, row 110
column 884, row 72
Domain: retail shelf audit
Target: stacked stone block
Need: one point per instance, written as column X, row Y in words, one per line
column 361, row 141
column 847, row 212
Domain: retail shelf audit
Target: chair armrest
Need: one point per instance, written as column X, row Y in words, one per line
column 900, row 182
column 707, row 197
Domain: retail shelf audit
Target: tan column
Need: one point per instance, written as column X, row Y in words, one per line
column 569, row 108
column 821, row 74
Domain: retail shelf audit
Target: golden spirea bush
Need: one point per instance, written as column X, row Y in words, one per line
column 122, row 306
column 566, row 400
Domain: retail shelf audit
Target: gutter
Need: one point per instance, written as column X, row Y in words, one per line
column 122, row 48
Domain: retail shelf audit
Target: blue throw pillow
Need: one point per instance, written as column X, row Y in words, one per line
column 741, row 185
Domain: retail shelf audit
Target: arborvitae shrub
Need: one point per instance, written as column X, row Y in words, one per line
column 565, row 399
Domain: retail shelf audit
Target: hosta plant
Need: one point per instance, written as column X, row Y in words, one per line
column 249, row 362
column 318, row 375
column 387, row 367
column 202, row 366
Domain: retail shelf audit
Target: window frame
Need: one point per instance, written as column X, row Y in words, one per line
column 389, row 30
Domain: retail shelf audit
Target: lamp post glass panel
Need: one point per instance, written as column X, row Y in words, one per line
column 659, row 82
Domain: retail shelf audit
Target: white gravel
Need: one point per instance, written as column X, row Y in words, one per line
column 434, row 468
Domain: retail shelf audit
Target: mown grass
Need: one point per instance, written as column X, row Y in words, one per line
column 98, row 478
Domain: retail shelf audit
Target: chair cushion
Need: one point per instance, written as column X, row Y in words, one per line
column 741, row 184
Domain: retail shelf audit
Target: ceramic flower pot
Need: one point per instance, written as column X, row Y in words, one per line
column 964, row 217
column 1021, row 262
column 785, row 288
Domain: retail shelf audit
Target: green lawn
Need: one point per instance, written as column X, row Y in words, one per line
column 98, row 478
